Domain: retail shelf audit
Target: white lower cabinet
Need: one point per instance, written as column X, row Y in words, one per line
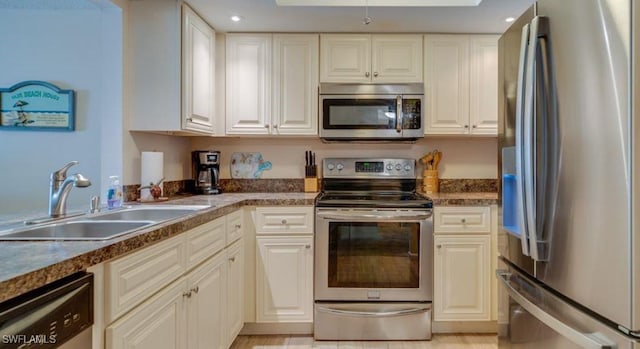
column 284, row 274
column 201, row 308
column 206, row 306
column 235, row 290
column 462, row 268
column 284, row 264
column 157, row 323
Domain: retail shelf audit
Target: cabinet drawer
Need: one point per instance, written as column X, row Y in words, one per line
column 462, row 219
column 134, row 278
column 284, row 220
column 234, row 226
column 204, row 241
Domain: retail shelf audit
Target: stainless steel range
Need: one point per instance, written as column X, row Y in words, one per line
column 374, row 252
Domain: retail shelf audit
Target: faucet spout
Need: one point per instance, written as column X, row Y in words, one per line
column 59, row 188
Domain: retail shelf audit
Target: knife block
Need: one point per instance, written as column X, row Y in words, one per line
column 311, row 185
column 430, row 183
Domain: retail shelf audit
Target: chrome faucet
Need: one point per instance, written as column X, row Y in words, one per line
column 60, row 186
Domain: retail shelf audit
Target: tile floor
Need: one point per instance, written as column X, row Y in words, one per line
column 439, row 341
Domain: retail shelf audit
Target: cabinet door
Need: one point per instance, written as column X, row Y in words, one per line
column 206, row 305
column 284, row 277
column 235, row 290
column 295, row 84
column 446, row 84
column 462, row 275
column 483, row 107
column 345, row 58
column 396, row 58
column 158, row 323
column 234, row 226
column 198, row 71
column 248, row 75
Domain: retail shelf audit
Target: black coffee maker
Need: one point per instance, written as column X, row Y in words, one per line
column 206, row 170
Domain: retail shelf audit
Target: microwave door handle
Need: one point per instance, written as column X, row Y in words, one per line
column 399, row 114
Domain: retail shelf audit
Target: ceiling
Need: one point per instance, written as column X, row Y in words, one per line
column 266, row 16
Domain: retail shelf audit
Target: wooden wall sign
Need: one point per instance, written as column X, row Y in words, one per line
column 37, row 105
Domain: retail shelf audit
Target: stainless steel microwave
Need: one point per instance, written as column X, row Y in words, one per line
column 371, row 112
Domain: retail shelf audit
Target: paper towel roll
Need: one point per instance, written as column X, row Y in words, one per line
column 151, row 171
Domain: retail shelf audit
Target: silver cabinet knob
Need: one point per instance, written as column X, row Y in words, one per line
column 186, row 294
column 375, row 74
column 366, row 74
column 238, row 226
column 275, row 126
column 466, row 126
column 439, row 246
column 284, row 221
column 307, row 246
column 266, row 126
column 463, row 220
column 195, row 289
column 475, row 126
column 232, row 259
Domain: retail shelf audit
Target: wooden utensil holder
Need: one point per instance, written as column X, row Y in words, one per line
column 430, row 182
column 311, row 185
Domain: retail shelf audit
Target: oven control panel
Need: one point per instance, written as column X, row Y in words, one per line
column 368, row 168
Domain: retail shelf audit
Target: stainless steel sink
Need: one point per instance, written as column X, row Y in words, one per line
column 145, row 213
column 101, row 226
column 78, row 230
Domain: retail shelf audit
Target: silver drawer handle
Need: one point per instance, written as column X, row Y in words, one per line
column 186, row 294
column 585, row 340
column 342, row 217
column 195, row 289
column 371, row 314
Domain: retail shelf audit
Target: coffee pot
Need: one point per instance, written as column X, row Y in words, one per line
column 206, row 171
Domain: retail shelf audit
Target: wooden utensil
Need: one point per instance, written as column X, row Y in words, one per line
column 437, row 159
column 427, row 160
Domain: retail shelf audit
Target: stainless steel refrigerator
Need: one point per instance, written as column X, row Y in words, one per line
column 569, row 163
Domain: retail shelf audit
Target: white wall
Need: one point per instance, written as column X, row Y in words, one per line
column 462, row 157
column 66, row 48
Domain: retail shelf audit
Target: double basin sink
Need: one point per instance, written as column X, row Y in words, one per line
column 101, row 226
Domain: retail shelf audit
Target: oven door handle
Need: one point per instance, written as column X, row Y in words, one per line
column 372, row 313
column 350, row 217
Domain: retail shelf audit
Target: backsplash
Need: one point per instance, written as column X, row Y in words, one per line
column 296, row 185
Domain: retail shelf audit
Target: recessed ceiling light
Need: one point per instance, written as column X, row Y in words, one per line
column 509, row 19
column 236, row 18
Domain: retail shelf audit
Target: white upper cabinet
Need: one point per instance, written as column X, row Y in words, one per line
column 198, row 72
column 172, row 69
column 379, row 58
column 295, row 84
column 461, row 84
column 483, row 103
column 272, row 84
column 248, row 83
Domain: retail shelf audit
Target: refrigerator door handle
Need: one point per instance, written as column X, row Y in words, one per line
column 534, row 223
column 584, row 340
column 520, row 175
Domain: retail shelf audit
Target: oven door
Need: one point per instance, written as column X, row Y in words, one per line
column 371, row 116
column 373, row 255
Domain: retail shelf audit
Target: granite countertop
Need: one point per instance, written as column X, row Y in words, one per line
column 27, row 265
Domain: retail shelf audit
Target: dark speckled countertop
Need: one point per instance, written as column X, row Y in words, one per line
column 27, row 265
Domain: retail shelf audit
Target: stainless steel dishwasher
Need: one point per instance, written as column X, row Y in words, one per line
column 57, row 315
